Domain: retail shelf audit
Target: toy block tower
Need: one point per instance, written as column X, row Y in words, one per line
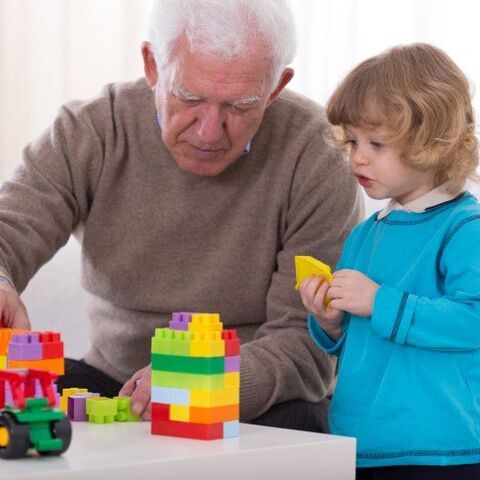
column 195, row 378
column 38, row 350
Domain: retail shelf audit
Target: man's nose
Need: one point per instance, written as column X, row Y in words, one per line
column 210, row 124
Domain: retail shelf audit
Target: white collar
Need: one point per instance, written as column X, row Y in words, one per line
column 418, row 205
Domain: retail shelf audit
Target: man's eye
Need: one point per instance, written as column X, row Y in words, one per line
column 239, row 110
column 189, row 101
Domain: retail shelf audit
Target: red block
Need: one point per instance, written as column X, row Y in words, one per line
column 232, row 343
column 199, row 431
column 160, row 411
column 52, row 346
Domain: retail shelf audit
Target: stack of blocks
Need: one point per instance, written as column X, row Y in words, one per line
column 195, row 378
column 24, row 349
column 81, row 406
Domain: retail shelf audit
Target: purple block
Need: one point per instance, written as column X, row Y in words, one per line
column 180, row 320
column 232, row 364
column 25, row 346
column 77, row 406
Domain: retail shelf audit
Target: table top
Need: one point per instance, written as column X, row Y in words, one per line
column 128, row 451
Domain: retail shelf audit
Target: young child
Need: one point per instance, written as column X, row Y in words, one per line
column 404, row 316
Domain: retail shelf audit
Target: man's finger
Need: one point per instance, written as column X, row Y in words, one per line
column 141, row 398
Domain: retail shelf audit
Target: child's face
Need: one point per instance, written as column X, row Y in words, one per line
column 379, row 169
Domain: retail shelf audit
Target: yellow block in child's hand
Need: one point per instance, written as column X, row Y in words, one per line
column 309, row 266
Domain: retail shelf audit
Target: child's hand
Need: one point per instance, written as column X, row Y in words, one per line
column 352, row 292
column 312, row 291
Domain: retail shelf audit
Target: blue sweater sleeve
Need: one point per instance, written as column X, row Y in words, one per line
column 450, row 322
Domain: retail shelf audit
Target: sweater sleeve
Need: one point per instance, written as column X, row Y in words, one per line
column 450, row 322
column 283, row 363
column 47, row 196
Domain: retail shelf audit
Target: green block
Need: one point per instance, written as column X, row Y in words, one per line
column 171, row 342
column 181, row 364
column 189, row 381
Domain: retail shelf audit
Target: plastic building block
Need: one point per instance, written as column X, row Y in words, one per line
column 187, row 430
column 180, row 321
column 214, row 414
column 214, row 399
column 182, row 364
column 52, row 346
column 205, row 322
column 160, row 411
column 180, row 413
column 101, row 409
column 124, row 413
column 66, row 392
column 231, row 429
column 232, row 364
column 77, row 406
column 56, row 365
column 232, row 343
column 308, row 266
column 171, row 342
column 188, row 380
column 207, row 344
column 25, row 346
column 5, row 337
column 172, row 396
column 3, row 362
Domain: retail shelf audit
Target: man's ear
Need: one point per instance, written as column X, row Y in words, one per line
column 149, row 64
column 287, row 75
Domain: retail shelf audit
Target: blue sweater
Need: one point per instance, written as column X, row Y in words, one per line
column 409, row 376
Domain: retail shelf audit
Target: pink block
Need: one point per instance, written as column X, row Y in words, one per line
column 180, row 320
column 77, row 406
column 232, row 364
column 25, row 346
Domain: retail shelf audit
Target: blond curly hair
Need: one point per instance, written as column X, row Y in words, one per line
column 421, row 102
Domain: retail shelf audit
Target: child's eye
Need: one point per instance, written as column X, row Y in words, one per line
column 376, row 144
column 350, row 141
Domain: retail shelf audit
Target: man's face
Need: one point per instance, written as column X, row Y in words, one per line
column 210, row 109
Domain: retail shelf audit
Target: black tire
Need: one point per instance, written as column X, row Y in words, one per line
column 19, row 441
column 60, row 429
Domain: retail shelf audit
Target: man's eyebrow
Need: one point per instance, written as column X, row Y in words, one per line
column 183, row 92
column 245, row 102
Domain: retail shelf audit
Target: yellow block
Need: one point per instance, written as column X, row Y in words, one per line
column 207, row 344
column 309, row 266
column 180, row 413
column 205, row 322
column 3, row 362
column 216, row 398
column 232, row 380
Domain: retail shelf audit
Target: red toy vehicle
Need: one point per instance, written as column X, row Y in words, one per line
column 31, row 423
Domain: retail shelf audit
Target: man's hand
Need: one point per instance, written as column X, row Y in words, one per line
column 13, row 313
column 313, row 291
column 352, row 292
column 138, row 387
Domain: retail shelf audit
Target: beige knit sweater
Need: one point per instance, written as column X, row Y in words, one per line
column 156, row 239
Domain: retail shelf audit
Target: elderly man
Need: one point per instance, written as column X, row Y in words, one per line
column 192, row 190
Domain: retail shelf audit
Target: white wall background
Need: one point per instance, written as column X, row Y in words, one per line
column 52, row 51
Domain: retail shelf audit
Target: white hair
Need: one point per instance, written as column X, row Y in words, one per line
column 224, row 28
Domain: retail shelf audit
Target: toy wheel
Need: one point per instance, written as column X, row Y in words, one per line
column 14, row 437
column 60, row 429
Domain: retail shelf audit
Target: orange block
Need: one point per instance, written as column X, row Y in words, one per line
column 55, row 365
column 5, row 337
column 221, row 414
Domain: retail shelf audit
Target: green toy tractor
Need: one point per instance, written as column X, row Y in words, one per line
column 31, row 423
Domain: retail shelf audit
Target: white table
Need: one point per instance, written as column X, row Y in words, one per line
column 122, row 451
